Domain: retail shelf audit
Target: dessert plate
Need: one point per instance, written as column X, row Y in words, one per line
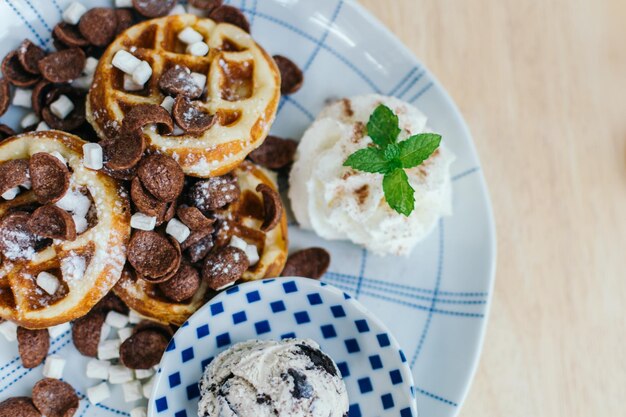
column 436, row 300
column 373, row 366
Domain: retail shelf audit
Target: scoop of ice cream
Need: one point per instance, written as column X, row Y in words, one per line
column 288, row 378
column 340, row 203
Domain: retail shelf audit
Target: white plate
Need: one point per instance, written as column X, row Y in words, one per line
column 436, row 301
column 375, row 370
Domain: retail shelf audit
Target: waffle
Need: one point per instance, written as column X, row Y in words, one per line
column 242, row 218
column 102, row 246
column 243, row 91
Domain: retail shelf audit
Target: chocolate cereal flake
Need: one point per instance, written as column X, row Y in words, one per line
column 275, row 153
column 73, row 120
column 194, row 219
column 162, row 177
column 69, row 35
column 125, row 20
column 183, row 285
column 86, row 332
column 154, row 8
column 308, row 263
column 232, row 15
column 38, row 98
column 15, row 73
column 224, row 267
column 145, row 114
column 52, row 222
column 33, row 346
column 18, row 407
column 63, row 66
column 98, row 26
column 178, row 81
column 272, row 205
column 191, row 117
column 6, row 132
column 111, row 302
column 125, row 151
column 164, row 329
column 291, row 75
column 55, row 398
column 50, row 177
column 214, row 193
column 29, row 56
column 206, row 4
column 5, row 96
column 144, row 202
column 199, row 250
column 143, row 350
column 13, row 173
column 154, row 257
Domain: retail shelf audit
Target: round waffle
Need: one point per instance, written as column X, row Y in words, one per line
column 242, row 218
column 87, row 267
column 243, row 91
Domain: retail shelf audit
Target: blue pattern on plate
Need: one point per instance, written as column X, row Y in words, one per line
column 438, row 297
column 379, row 381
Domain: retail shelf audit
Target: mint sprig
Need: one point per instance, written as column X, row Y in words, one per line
column 389, row 157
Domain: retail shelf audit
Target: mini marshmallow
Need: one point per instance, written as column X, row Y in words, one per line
column 42, row 126
column 11, row 193
column 62, row 107
column 8, row 329
column 123, row 3
column 134, row 317
column 190, row 36
column 29, row 120
column 90, row 66
column 198, row 49
column 23, row 98
column 178, row 9
column 238, row 243
column 76, row 202
column 80, row 223
column 253, row 254
column 199, row 79
column 142, row 221
column 143, row 373
column 125, row 61
column 177, row 230
column 97, row 369
column 139, row 411
column 92, row 156
column 56, row 331
column 130, row 85
column 105, row 332
column 73, row 13
column 98, row 393
column 109, row 349
column 168, row 103
column 142, row 73
column 196, row 11
column 177, row 130
column 119, row 374
column 53, row 367
column 132, row 391
column 116, row 320
column 83, row 83
column 27, row 185
column 58, row 156
column 124, row 333
column 147, row 387
column 48, row 282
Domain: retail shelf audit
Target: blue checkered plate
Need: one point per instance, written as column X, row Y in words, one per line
column 374, row 368
column 435, row 301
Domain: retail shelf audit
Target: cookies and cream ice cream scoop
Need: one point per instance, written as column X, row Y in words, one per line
column 340, row 203
column 288, row 378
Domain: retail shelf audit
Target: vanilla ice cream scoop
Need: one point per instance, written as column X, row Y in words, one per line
column 340, row 203
column 287, row 378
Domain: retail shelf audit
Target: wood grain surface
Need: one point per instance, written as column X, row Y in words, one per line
column 542, row 85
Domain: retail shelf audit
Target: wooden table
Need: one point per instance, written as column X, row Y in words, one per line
column 542, row 85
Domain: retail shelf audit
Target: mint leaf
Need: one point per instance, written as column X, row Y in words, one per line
column 368, row 160
column 383, row 126
column 417, row 149
column 398, row 192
